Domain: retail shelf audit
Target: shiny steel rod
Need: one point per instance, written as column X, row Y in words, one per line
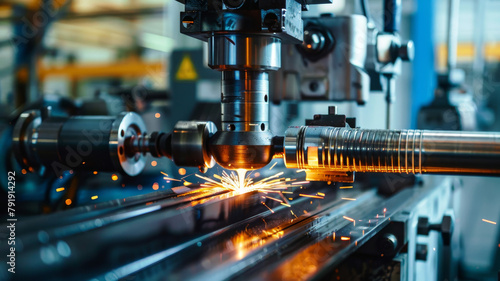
column 392, row 151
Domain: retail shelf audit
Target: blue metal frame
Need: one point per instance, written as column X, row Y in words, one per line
column 424, row 73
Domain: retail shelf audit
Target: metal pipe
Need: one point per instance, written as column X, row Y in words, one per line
column 245, row 101
column 343, row 150
column 453, row 16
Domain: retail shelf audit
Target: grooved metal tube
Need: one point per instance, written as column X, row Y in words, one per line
column 392, row 151
column 245, row 101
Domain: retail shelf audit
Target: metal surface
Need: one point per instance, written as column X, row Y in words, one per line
column 332, row 72
column 93, row 143
column 190, row 144
column 245, row 140
column 207, row 234
column 328, row 149
column 245, row 101
column 240, row 51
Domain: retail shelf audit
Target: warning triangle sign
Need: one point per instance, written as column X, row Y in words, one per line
column 187, row 71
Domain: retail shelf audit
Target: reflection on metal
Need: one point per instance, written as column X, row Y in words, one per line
column 345, row 150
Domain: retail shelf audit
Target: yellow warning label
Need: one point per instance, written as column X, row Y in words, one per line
column 187, row 71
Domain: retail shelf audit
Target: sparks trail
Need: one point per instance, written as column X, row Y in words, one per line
column 239, row 182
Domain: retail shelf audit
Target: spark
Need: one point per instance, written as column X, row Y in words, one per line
column 94, row 197
column 288, row 205
column 60, row 189
column 300, row 171
column 345, row 187
column 157, row 115
column 95, row 172
column 277, row 200
column 349, row 199
column 488, row 221
column 350, row 219
column 273, row 165
column 114, row 177
column 268, row 207
column 345, row 238
column 300, row 182
column 182, row 171
column 154, row 163
column 68, row 202
column 321, row 194
column 170, row 179
column 311, row 196
column 334, row 236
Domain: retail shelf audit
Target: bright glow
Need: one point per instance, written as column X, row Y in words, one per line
column 156, row 186
column 60, row 189
column 488, row 221
column 68, row 202
column 154, row 163
column 157, row 115
column 114, row 177
column 182, row 171
column 94, row 197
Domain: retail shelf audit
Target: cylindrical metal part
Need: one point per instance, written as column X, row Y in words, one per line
column 190, row 144
column 77, row 143
column 245, row 141
column 240, row 51
column 392, row 151
column 245, row 101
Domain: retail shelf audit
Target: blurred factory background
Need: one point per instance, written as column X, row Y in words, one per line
column 92, row 57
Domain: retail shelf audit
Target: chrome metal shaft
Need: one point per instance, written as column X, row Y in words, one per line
column 392, row 151
column 245, row 97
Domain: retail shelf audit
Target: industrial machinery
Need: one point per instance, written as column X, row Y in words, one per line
column 317, row 226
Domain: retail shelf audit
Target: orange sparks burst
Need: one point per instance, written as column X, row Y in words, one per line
column 114, row 177
column 345, row 238
column 321, row 194
column 345, row 187
column 68, row 202
column 60, row 189
column 156, row 186
column 95, row 172
column 94, row 197
column 488, row 221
